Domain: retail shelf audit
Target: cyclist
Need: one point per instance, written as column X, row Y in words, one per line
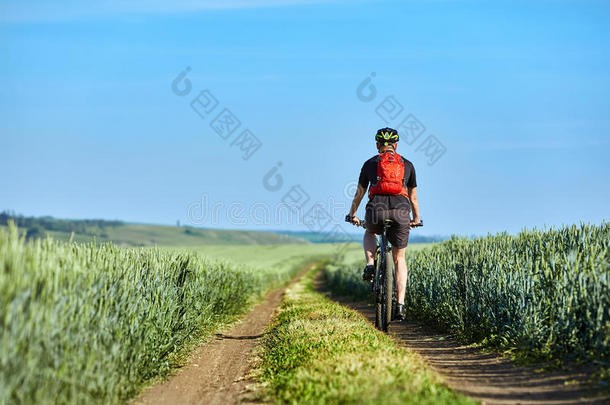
column 392, row 195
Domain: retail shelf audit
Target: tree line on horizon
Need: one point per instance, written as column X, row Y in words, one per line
column 38, row 226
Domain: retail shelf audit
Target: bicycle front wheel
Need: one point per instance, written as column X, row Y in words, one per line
column 389, row 291
column 378, row 315
column 378, row 287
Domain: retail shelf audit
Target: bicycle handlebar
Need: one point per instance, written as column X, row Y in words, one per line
column 363, row 223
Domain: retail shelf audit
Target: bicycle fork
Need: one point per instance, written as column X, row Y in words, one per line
column 377, row 283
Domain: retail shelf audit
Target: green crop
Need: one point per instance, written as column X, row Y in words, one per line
column 90, row 324
column 544, row 293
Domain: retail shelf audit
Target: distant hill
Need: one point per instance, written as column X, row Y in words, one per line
column 321, row 237
column 139, row 234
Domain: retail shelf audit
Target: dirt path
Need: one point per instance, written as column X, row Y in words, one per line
column 485, row 377
column 217, row 371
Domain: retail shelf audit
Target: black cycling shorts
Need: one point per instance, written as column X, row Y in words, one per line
column 378, row 210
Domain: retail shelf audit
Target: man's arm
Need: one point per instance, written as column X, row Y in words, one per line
column 360, row 192
column 414, row 205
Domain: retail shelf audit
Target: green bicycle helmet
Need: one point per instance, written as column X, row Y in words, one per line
column 386, row 136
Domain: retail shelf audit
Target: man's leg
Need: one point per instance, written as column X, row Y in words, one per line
column 370, row 244
column 401, row 272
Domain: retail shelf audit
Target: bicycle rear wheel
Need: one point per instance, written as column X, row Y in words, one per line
column 388, row 291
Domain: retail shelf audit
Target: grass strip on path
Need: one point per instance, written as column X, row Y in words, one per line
column 317, row 351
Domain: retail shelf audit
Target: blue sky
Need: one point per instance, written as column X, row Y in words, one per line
column 517, row 94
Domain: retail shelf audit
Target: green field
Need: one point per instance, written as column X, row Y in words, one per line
column 540, row 294
column 84, row 323
column 93, row 323
column 272, row 255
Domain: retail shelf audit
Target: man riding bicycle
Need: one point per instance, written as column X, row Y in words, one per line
column 392, row 195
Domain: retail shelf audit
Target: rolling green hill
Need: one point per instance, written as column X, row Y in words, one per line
column 150, row 235
column 139, row 234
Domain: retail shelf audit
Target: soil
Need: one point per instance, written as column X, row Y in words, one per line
column 217, row 372
column 483, row 376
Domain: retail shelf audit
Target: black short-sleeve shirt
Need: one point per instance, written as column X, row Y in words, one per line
column 368, row 175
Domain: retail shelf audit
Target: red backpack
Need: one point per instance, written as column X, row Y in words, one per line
column 390, row 175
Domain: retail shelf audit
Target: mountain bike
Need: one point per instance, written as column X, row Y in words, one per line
column 383, row 284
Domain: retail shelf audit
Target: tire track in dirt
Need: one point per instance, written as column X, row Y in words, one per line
column 485, row 377
column 217, row 372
